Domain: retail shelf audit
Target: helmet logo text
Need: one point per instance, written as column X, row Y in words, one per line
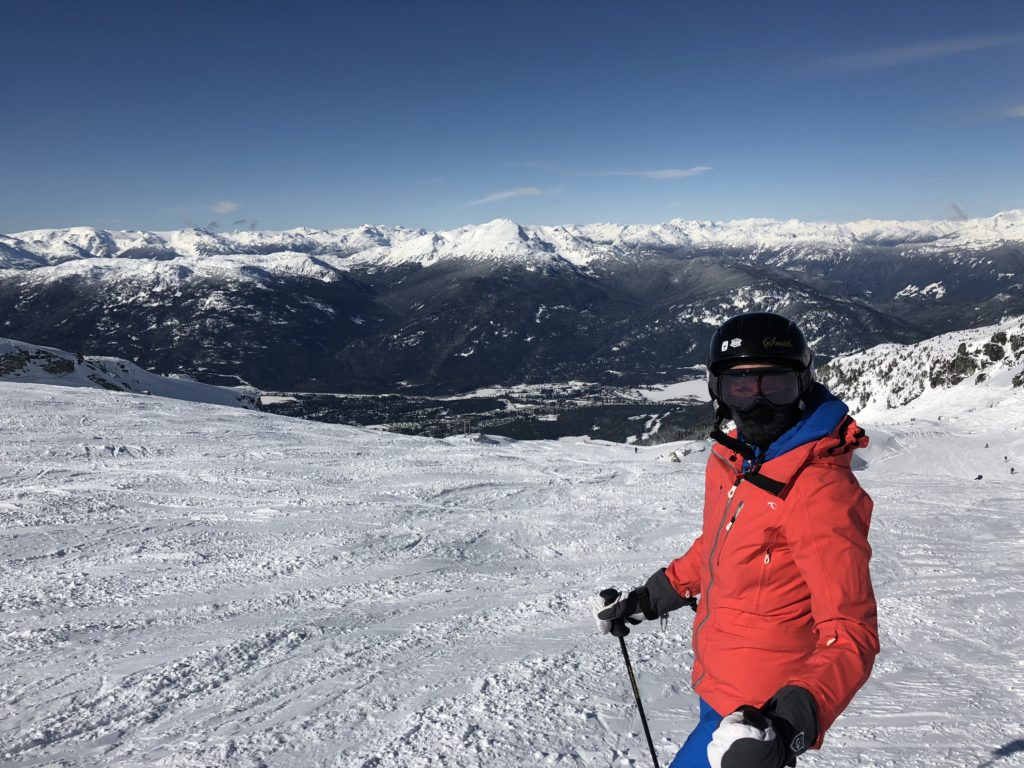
column 774, row 341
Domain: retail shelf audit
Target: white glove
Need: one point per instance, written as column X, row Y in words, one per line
column 745, row 739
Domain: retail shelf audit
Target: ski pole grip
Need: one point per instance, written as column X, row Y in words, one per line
column 619, row 628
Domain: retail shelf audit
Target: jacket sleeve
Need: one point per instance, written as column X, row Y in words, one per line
column 827, row 533
column 684, row 572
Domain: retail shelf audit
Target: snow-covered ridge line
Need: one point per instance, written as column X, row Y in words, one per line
column 31, row 364
column 891, row 375
column 503, row 239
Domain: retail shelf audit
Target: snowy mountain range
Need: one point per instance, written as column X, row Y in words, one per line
column 377, row 309
column 505, row 240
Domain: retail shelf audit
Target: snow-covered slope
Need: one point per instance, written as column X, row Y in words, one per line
column 195, row 586
column 507, row 241
column 24, row 362
column 500, row 240
column 890, row 375
column 171, row 274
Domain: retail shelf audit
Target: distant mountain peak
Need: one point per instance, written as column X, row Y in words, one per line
column 508, row 240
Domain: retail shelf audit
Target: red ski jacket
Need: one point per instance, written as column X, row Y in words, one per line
column 782, row 570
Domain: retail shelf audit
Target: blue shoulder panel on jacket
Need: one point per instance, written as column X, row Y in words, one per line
column 823, row 414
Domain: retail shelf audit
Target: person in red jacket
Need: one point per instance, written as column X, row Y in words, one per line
column 785, row 630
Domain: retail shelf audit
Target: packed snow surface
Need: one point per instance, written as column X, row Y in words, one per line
column 193, row 585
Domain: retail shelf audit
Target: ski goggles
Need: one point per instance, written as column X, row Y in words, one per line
column 740, row 389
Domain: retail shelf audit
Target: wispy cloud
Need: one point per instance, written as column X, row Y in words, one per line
column 509, row 194
column 427, row 182
column 225, row 206
column 884, row 58
column 961, row 214
column 1017, row 111
column 665, row 173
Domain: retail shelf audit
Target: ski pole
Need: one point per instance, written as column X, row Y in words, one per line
column 620, row 630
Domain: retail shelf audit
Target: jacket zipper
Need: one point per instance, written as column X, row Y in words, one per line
column 728, row 527
column 711, row 572
column 765, row 571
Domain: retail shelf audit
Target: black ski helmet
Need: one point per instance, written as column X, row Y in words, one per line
column 758, row 337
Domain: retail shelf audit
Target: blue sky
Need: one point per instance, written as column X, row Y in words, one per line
column 146, row 115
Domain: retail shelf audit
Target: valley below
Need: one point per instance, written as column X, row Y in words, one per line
column 645, row 416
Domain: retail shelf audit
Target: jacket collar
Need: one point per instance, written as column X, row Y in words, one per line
column 825, row 431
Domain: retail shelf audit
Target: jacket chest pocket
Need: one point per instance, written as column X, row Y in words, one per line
column 773, row 541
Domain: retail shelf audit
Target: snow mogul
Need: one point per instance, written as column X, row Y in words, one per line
column 785, row 630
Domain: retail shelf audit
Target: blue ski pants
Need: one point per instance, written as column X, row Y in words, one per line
column 694, row 753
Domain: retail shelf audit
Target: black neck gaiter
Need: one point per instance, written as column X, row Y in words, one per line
column 763, row 423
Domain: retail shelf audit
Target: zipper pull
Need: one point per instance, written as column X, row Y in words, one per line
column 767, row 556
column 735, row 514
column 732, row 491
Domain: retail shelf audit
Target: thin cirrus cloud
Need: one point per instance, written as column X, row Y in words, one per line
column 1017, row 111
column 508, row 194
column 225, row 206
column 665, row 173
column 884, row 58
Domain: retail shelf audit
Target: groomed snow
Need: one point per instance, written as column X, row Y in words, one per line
column 190, row 585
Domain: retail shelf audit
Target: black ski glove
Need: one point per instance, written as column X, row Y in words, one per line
column 618, row 608
column 770, row 737
column 656, row 598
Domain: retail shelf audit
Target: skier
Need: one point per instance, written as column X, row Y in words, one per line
column 785, row 631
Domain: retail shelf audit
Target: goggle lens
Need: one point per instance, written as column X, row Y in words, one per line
column 739, row 389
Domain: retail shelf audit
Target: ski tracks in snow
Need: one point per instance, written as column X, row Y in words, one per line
column 251, row 590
